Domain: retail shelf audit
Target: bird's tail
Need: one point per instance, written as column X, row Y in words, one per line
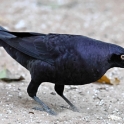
column 8, row 34
column 5, row 34
column 2, row 29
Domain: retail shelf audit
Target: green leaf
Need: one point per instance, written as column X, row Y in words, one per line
column 7, row 76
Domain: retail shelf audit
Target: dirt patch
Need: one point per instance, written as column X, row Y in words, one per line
column 98, row 103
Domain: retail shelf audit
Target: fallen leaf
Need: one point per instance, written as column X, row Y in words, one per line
column 104, row 79
column 7, row 76
column 107, row 80
column 115, row 81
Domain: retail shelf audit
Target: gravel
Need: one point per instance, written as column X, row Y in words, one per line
column 98, row 103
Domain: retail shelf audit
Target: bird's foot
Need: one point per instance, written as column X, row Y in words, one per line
column 73, row 108
column 46, row 110
column 44, row 106
column 38, row 108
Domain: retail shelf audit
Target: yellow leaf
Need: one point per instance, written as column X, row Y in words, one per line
column 105, row 79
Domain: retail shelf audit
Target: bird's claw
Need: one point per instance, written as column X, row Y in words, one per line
column 44, row 106
column 37, row 108
column 48, row 110
column 73, row 108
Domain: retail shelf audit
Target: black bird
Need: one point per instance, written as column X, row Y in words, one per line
column 61, row 59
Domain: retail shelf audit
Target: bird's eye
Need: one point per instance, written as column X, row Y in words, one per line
column 122, row 57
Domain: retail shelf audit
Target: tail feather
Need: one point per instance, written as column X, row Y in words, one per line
column 8, row 34
column 5, row 34
column 2, row 29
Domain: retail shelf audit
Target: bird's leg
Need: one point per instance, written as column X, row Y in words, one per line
column 59, row 89
column 32, row 90
column 44, row 106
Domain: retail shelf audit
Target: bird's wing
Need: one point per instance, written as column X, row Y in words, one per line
column 31, row 44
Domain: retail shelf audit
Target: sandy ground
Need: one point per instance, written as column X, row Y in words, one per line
column 98, row 103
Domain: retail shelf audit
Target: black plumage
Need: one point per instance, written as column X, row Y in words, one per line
column 61, row 59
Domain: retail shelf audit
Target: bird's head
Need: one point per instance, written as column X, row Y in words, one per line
column 117, row 56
